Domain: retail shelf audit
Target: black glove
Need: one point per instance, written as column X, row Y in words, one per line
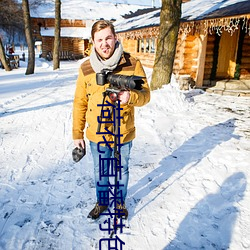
column 78, row 153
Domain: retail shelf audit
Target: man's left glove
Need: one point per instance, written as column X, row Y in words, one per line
column 78, row 153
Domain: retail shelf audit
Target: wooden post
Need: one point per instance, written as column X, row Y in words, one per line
column 201, row 60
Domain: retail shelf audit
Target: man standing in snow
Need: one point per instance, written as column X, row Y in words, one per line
column 107, row 54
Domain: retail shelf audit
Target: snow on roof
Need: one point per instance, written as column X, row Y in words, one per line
column 85, row 10
column 197, row 9
column 192, row 10
column 79, row 32
column 145, row 20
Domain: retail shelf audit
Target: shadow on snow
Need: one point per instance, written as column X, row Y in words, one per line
column 23, row 110
column 189, row 155
column 210, row 223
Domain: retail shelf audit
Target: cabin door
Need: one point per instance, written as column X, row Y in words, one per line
column 227, row 55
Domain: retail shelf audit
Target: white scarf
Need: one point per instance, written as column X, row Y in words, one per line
column 98, row 64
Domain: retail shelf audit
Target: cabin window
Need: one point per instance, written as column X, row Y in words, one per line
column 146, row 45
column 152, row 45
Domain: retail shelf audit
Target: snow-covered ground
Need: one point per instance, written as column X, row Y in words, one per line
column 189, row 169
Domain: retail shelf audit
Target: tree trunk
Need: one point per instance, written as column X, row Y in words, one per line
column 168, row 34
column 56, row 59
column 3, row 57
column 28, row 33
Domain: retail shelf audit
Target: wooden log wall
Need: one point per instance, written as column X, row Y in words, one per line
column 131, row 46
column 209, row 58
column 79, row 46
column 245, row 60
column 146, row 59
column 66, row 44
column 186, row 55
column 190, row 56
column 73, row 45
column 47, row 45
column 185, row 59
column 178, row 61
column 50, row 22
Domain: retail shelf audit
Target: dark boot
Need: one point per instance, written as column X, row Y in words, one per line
column 122, row 210
column 96, row 211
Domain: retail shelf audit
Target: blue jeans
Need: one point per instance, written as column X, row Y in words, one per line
column 103, row 170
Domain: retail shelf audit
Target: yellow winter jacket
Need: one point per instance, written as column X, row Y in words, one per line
column 88, row 95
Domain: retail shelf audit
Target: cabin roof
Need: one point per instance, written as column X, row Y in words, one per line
column 77, row 32
column 140, row 21
column 84, row 10
column 208, row 9
column 193, row 10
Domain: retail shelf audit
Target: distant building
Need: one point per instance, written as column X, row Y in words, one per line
column 75, row 36
column 77, row 19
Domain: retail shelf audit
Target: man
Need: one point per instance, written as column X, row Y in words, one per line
column 108, row 54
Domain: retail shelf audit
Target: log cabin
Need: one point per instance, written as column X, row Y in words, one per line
column 213, row 41
column 74, row 37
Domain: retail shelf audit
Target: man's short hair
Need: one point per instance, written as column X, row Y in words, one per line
column 101, row 24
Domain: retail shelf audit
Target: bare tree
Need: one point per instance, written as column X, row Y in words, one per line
column 36, row 3
column 11, row 16
column 3, row 57
column 28, row 33
column 56, row 59
column 11, row 24
column 168, row 34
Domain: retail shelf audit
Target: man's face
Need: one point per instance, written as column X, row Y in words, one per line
column 104, row 42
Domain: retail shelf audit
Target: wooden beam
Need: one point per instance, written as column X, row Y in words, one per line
column 201, row 60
